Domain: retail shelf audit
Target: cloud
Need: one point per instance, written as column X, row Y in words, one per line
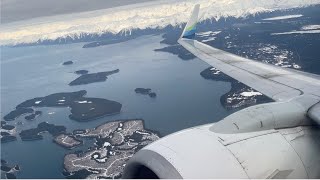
column 156, row 14
column 15, row 10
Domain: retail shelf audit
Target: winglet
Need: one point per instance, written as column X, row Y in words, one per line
column 189, row 31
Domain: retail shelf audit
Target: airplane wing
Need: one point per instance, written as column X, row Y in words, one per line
column 281, row 136
column 280, row 84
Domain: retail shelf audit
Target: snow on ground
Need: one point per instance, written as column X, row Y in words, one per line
column 246, row 95
column 83, row 102
column 37, row 102
column 140, row 132
column 310, row 27
column 283, row 17
column 268, row 49
column 251, row 93
column 296, row 66
column 281, row 57
column 315, row 31
column 155, row 14
column 106, row 144
column 208, row 33
column 209, row 39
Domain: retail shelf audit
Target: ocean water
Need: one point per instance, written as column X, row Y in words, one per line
column 184, row 99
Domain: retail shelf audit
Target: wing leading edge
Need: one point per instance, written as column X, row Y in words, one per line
column 280, row 84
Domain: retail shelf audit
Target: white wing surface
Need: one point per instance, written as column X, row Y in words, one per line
column 280, row 84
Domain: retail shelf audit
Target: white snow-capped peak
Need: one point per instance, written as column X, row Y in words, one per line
column 157, row 14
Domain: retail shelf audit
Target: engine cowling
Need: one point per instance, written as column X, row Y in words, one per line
column 274, row 140
column 200, row 153
column 264, row 117
column 187, row 154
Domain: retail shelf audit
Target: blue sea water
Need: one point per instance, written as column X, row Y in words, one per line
column 184, row 99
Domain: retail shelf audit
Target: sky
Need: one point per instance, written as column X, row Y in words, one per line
column 16, row 10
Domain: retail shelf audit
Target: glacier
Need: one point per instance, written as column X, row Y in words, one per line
column 155, row 14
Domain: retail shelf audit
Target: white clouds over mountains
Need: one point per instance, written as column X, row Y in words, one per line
column 156, row 14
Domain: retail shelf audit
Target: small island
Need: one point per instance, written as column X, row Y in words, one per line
column 3, row 123
column 7, row 133
column 67, row 63
column 67, row 141
column 116, row 142
column 17, row 113
column 33, row 116
column 7, row 138
column 4, row 133
column 5, row 168
column 85, row 109
column 35, row 133
column 3, row 161
column 143, row 90
column 81, row 108
column 8, row 127
column 92, row 78
column 146, row 91
column 81, row 72
column 152, row 94
column 8, row 171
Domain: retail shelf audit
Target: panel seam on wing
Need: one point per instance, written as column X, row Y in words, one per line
column 304, row 166
column 229, row 142
column 236, row 160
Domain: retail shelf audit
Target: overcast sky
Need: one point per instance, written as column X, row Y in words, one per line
column 15, row 10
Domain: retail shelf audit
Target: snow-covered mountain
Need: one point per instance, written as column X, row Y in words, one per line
column 123, row 19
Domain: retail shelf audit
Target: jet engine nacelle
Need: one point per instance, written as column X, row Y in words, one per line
column 200, row 153
column 264, row 141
